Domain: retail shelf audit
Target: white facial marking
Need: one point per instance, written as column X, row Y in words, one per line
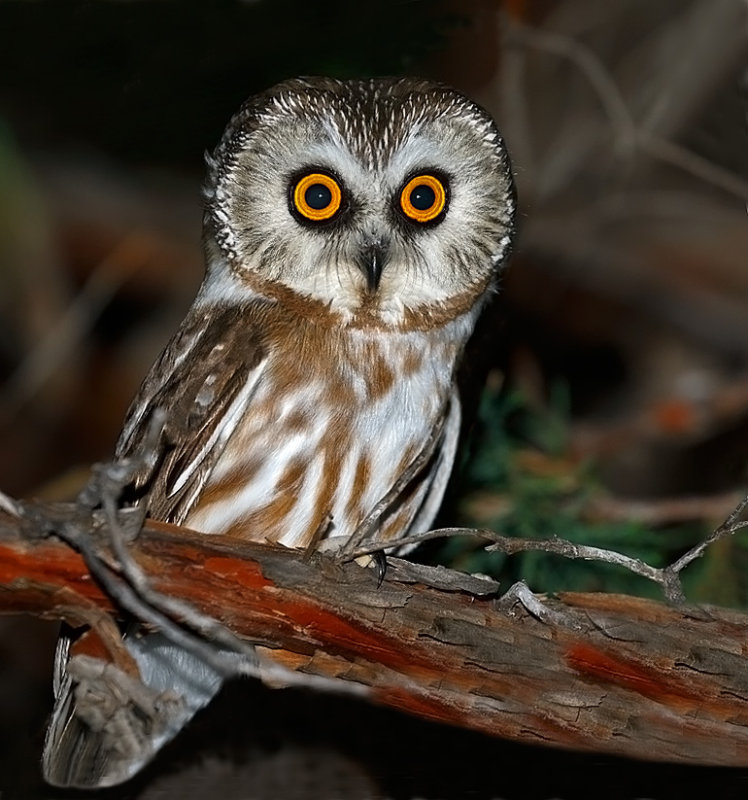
column 373, row 138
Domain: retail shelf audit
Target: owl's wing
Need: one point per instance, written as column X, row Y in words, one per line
column 438, row 475
column 203, row 381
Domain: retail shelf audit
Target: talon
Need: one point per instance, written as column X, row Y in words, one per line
column 379, row 560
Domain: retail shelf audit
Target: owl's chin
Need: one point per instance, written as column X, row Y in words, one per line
column 393, row 306
column 366, row 310
column 229, row 283
column 394, row 315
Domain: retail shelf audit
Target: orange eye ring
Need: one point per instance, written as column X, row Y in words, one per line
column 423, row 198
column 317, row 197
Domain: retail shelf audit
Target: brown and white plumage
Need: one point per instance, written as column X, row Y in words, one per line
column 320, row 354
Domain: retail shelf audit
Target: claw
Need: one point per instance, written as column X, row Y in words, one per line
column 379, row 562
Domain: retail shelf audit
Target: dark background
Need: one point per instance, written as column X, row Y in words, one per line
column 616, row 355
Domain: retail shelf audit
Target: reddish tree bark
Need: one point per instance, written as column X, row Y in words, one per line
column 613, row 674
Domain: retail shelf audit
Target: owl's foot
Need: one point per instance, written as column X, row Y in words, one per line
column 376, row 561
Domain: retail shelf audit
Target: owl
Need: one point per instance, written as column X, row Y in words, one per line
column 353, row 231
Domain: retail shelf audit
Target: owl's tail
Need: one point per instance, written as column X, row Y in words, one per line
column 107, row 724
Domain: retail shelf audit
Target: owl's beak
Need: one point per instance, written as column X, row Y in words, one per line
column 373, row 258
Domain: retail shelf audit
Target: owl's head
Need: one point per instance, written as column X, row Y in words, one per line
column 378, row 201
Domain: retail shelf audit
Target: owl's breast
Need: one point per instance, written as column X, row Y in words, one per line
column 330, row 428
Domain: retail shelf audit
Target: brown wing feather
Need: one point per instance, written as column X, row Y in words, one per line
column 202, row 380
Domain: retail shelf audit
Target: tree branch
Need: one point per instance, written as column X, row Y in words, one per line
column 602, row 673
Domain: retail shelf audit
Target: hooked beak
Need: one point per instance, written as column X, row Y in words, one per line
column 372, row 261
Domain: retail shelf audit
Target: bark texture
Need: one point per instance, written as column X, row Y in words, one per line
column 611, row 674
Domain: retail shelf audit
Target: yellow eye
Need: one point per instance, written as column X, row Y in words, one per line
column 423, row 198
column 317, row 197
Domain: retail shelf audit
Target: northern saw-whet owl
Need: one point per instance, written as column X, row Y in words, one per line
column 353, row 232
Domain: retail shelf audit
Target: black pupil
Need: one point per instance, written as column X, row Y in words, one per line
column 318, row 196
column 423, row 197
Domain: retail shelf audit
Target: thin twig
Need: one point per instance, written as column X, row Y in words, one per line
column 629, row 135
column 520, row 593
column 589, row 65
column 667, row 577
column 130, row 588
column 696, row 165
column 418, row 538
column 511, row 545
column 729, row 527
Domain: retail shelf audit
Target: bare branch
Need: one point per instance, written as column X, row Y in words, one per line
column 667, row 577
column 590, row 66
column 511, row 545
column 596, row 672
column 127, row 584
column 729, row 527
column 629, row 135
column 428, row 641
